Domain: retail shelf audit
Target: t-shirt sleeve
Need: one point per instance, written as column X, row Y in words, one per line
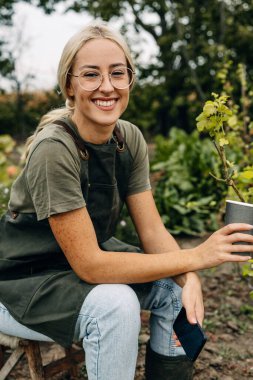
column 53, row 179
column 139, row 179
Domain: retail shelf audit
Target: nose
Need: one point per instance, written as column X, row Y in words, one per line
column 106, row 85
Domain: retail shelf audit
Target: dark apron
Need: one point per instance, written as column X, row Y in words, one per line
column 37, row 285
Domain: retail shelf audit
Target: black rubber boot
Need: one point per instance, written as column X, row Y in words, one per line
column 160, row 367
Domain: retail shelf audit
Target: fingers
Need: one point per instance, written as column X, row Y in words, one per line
column 178, row 344
column 220, row 247
column 192, row 299
column 234, row 227
column 195, row 310
column 238, row 258
column 200, row 312
column 240, row 237
column 191, row 315
column 239, row 241
column 195, row 313
column 242, row 248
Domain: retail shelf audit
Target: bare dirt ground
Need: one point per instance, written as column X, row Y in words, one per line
column 228, row 354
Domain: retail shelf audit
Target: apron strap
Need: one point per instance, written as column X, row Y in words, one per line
column 79, row 143
column 121, row 146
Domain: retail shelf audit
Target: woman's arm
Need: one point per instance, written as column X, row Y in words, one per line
column 155, row 238
column 75, row 234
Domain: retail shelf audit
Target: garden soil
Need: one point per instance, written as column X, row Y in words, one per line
column 228, row 354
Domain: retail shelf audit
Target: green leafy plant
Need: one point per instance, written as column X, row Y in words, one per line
column 9, row 168
column 219, row 121
column 185, row 194
column 230, row 127
column 4, row 197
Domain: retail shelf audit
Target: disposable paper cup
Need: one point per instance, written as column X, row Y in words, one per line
column 239, row 212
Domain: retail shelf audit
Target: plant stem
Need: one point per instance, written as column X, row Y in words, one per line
column 227, row 178
column 221, row 152
column 237, row 191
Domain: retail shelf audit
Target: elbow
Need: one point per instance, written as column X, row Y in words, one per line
column 90, row 278
column 90, row 268
column 88, row 273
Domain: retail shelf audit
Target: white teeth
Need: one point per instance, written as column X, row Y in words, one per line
column 104, row 103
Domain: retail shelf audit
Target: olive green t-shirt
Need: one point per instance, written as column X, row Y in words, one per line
column 50, row 181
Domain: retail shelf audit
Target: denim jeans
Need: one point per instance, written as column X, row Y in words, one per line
column 109, row 324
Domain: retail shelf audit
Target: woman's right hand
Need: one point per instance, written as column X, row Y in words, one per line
column 218, row 248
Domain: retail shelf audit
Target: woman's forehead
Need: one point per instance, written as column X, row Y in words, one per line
column 100, row 52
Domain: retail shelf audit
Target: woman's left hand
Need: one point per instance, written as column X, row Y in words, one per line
column 192, row 298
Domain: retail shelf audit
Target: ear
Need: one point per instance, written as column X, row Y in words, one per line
column 70, row 90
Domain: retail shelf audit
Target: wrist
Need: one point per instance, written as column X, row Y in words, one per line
column 184, row 278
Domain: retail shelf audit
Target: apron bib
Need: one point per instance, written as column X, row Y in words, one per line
column 37, row 285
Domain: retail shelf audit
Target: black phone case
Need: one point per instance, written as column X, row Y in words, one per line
column 191, row 336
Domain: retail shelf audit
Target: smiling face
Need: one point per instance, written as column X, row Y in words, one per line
column 96, row 112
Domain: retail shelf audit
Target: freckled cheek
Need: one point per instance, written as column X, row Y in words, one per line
column 83, row 98
column 125, row 101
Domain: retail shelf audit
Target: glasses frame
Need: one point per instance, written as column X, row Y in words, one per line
column 110, row 79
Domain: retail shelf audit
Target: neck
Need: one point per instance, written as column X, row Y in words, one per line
column 95, row 134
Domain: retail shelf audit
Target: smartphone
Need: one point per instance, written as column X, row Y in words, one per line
column 191, row 336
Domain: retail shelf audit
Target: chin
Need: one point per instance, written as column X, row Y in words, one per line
column 107, row 121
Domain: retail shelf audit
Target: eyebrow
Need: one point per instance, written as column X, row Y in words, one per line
column 97, row 67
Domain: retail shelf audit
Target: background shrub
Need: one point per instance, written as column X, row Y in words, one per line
column 186, row 195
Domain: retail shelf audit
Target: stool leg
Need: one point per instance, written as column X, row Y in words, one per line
column 1, row 356
column 32, row 350
column 73, row 369
column 11, row 362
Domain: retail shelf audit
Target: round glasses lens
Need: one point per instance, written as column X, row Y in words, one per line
column 90, row 80
column 122, row 77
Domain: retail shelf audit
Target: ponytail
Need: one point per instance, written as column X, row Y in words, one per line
column 46, row 120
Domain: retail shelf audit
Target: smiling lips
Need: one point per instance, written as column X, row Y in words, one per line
column 105, row 104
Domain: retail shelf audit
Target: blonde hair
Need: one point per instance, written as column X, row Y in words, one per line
column 91, row 31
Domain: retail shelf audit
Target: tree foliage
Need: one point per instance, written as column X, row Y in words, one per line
column 21, row 112
column 194, row 40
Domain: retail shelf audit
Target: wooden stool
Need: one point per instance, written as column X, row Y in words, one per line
column 31, row 349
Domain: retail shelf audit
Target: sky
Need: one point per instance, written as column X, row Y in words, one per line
column 43, row 38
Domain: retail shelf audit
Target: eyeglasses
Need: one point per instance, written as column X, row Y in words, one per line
column 91, row 80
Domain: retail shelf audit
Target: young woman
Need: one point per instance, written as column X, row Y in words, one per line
column 63, row 276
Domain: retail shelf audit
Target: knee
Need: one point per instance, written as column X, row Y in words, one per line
column 113, row 300
column 125, row 301
column 110, row 310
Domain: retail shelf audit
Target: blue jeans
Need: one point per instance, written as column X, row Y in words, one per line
column 109, row 324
